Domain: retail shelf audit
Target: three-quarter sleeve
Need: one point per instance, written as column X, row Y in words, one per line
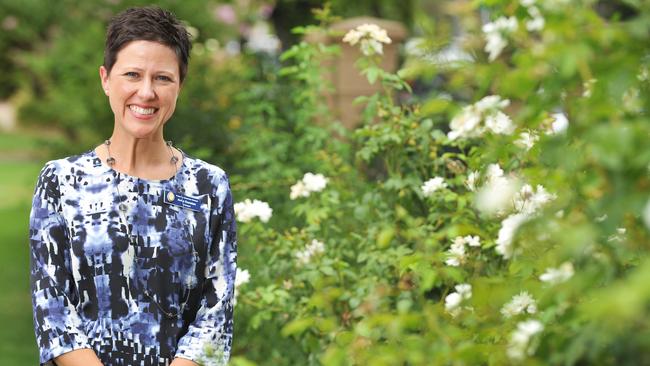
column 56, row 322
column 213, row 325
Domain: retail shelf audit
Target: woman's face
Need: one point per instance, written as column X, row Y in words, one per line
column 142, row 88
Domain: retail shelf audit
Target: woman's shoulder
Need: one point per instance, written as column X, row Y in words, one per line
column 78, row 164
column 204, row 170
column 57, row 172
column 210, row 178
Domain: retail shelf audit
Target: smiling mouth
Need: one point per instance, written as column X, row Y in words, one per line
column 142, row 111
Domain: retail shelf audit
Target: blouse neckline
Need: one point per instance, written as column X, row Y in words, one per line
column 93, row 155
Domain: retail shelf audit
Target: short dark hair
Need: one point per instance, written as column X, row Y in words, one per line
column 147, row 24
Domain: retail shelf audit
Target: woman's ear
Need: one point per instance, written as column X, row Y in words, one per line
column 103, row 75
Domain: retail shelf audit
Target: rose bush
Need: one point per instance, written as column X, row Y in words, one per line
column 501, row 219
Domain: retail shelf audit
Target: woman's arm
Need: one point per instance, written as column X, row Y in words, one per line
column 79, row 357
column 57, row 324
column 213, row 325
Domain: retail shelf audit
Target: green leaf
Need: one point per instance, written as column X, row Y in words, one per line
column 297, row 326
column 371, row 74
column 385, row 236
column 329, row 271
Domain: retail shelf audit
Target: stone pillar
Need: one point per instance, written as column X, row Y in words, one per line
column 346, row 79
column 7, row 116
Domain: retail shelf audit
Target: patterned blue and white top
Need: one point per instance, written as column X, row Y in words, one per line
column 165, row 292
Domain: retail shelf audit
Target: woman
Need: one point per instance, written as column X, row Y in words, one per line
column 133, row 248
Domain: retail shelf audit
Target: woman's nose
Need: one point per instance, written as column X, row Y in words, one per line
column 146, row 90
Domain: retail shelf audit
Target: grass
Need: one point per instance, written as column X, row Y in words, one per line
column 17, row 181
column 19, row 167
column 17, row 344
column 17, row 141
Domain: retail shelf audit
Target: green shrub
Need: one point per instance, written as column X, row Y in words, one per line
column 373, row 269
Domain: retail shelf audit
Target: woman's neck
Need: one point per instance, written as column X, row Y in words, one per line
column 148, row 158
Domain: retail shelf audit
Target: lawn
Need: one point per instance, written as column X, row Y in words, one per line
column 17, row 180
column 18, row 141
column 17, row 345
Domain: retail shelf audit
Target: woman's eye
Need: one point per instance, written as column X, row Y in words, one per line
column 131, row 74
column 164, row 78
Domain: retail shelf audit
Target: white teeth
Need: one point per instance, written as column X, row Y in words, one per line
column 140, row 110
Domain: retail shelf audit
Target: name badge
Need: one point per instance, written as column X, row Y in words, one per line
column 182, row 200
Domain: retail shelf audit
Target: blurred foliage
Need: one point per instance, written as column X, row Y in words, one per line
column 16, row 35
